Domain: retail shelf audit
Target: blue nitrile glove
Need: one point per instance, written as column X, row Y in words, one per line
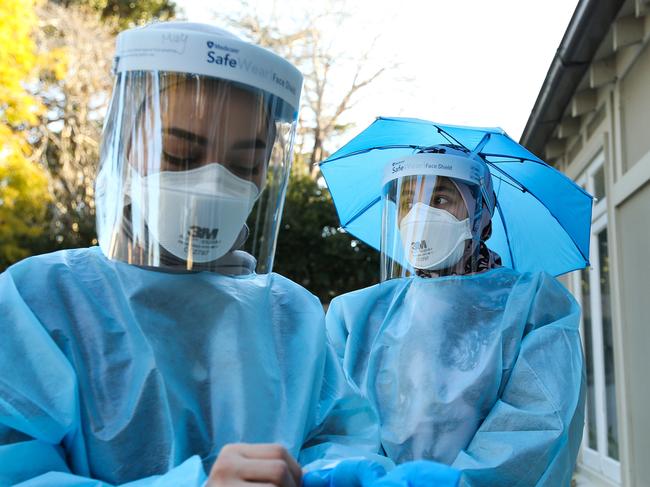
column 421, row 473
column 347, row 473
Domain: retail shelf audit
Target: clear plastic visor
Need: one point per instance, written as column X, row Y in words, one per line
column 192, row 173
column 430, row 226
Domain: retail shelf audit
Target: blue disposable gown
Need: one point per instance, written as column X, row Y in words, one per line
column 121, row 374
column 484, row 372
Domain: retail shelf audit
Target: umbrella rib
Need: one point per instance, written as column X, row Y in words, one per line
column 504, row 181
column 449, row 136
column 513, row 158
column 516, row 183
column 482, row 143
column 362, row 211
column 510, row 161
column 363, row 151
column 522, row 159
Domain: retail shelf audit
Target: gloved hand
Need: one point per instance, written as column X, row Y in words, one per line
column 348, row 473
column 421, row 473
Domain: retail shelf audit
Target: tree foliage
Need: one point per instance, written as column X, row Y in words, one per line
column 23, row 184
column 334, row 78
column 54, row 89
column 67, row 140
column 23, row 202
column 123, row 14
column 313, row 251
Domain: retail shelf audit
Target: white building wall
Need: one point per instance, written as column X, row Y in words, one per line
column 618, row 132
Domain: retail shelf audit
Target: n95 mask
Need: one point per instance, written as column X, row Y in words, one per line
column 433, row 239
column 195, row 215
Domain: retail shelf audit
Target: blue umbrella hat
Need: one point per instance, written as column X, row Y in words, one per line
column 541, row 221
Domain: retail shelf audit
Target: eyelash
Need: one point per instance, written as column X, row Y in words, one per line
column 446, row 200
column 410, row 203
column 245, row 171
column 179, row 161
column 190, row 162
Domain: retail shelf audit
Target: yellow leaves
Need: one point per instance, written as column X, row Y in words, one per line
column 54, row 63
column 23, row 198
column 23, row 184
column 24, row 191
column 18, row 62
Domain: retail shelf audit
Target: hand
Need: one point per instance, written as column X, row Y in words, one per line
column 259, row 465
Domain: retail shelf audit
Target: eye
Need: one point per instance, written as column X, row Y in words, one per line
column 243, row 172
column 244, row 168
column 181, row 153
column 247, row 158
column 441, row 200
column 176, row 163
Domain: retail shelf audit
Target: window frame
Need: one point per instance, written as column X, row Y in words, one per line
column 597, row 460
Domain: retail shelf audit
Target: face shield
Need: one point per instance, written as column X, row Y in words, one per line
column 196, row 150
column 434, row 213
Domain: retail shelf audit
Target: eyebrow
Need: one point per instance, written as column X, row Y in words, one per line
column 192, row 137
column 443, row 186
column 446, row 187
column 184, row 134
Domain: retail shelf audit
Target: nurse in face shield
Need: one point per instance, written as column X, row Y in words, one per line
column 172, row 353
column 468, row 363
column 191, row 157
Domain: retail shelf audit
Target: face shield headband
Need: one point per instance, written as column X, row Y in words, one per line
column 178, row 47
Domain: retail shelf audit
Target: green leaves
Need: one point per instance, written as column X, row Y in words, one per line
column 313, row 251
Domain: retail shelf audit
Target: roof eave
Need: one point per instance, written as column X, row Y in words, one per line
column 588, row 27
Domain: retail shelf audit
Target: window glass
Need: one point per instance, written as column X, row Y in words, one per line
column 599, row 183
column 608, row 347
column 592, row 438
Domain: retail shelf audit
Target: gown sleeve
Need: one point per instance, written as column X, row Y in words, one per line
column 39, row 408
column 346, row 423
column 532, row 434
column 337, row 331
